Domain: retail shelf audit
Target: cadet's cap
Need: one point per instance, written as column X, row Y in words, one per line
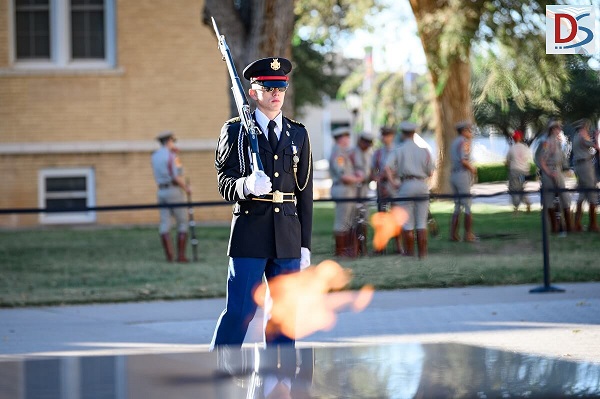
column 463, row 125
column 269, row 72
column 518, row 135
column 581, row 123
column 163, row 136
column 554, row 123
column 367, row 136
column 340, row 131
column 407, row 126
column 386, row 130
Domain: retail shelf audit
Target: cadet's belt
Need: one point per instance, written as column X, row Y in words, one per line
column 410, row 177
column 165, row 185
column 582, row 160
column 277, row 197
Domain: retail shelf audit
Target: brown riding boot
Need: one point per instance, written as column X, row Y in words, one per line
column 578, row 213
column 553, row 221
column 568, row 220
column 398, row 244
column 340, row 242
column 454, row 227
column 593, row 227
column 181, row 241
column 409, row 242
column 469, row 236
column 166, row 243
column 422, row 243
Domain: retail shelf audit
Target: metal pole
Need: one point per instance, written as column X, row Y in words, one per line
column 546, row 287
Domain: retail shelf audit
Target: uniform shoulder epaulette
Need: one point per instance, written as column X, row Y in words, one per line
column 295, row 122
column 233, row 120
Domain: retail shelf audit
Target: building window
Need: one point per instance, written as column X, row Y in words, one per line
column 64, row 33
column 87, row 29
column 32, row 29
column 67, row 189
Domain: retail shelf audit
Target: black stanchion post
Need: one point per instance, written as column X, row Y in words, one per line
column 546, row 287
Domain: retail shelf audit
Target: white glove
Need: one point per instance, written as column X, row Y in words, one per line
column 304, row 258
column 258, row 183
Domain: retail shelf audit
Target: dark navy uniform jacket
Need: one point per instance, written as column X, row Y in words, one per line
column 262, row 229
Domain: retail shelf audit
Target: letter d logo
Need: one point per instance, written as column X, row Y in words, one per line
column 567, row 21
column 570, row 30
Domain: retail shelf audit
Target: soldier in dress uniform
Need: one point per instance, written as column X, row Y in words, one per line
column 346, row 177
column 551, row 158
column 272, row 215
column 462, row 176
column 168, row 174
column 584, row 150
column 413, row 165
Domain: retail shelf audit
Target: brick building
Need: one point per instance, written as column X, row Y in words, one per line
column 85, row 86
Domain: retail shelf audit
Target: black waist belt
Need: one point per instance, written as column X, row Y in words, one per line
column 409, row 177
column 165, row 185
column 277, row 197
column 582, row 160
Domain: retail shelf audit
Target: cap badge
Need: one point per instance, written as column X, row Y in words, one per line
column 275, row 65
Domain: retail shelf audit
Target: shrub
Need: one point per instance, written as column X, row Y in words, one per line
column 494, row 172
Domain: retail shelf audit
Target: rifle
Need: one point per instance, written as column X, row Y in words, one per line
column 192, row 224
column 359, row 227
column 241, row 102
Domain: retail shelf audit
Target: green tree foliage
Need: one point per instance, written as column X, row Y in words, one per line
column 447, row 29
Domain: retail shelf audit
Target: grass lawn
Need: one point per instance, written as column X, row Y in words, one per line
column 66, row 265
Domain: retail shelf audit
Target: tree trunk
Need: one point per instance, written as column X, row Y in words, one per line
column 256, row 29
column 452, row 105
column 450, row 74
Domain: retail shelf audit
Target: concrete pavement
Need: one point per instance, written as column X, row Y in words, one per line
column 507, row 317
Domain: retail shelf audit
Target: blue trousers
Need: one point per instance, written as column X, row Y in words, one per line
column 243, row 276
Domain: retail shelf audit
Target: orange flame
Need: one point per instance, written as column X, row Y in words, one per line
column 301, row 303
column 387, row 225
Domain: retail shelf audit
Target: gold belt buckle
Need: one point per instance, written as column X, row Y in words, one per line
column 277, row 197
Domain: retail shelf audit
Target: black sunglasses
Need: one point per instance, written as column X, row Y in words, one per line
column 270, row 89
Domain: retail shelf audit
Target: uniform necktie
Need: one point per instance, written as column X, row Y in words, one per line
column 272, row 135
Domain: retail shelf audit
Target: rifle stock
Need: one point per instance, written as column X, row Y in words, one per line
column 241, row 102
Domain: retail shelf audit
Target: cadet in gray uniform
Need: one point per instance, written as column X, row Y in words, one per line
column 168, row 174
column 412, row 165
column 584, row 150
column 551, row 158
column 461, row 180
column 345, row 176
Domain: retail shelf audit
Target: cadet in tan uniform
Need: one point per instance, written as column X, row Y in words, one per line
column 168, row 174
column 584, row 150
column 517, row 161
column 378, row 174
column 364, row 154
column 413, row 165
column 345, row 176
column 461, row 179
column 550, row 160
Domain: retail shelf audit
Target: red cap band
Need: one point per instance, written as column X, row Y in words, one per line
column 282, row 77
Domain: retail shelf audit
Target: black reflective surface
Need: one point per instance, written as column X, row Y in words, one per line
column 386, row 371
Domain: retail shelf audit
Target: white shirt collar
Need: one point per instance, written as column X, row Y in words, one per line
column 263, row 121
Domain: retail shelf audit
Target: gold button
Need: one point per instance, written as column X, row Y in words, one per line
column 276, row 209
column 246, row 212
column 276, row 174
column 276, row 157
